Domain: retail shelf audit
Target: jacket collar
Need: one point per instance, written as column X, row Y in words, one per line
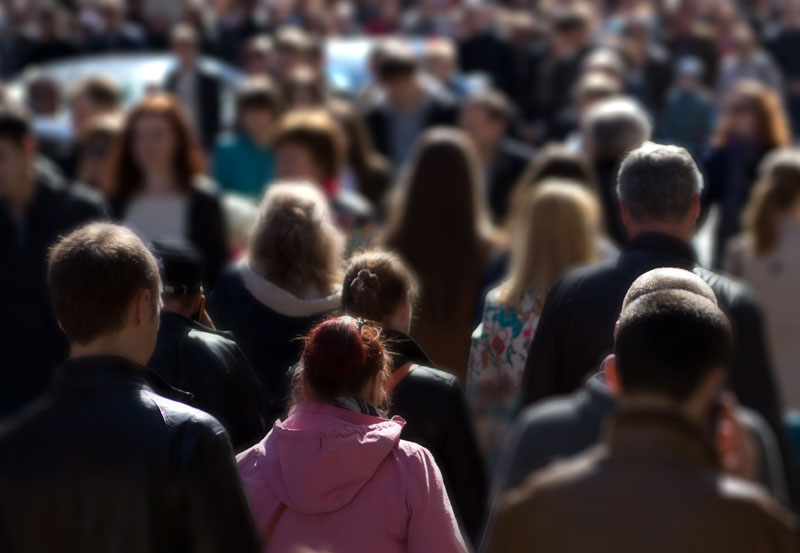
column 106, row 372
column 281, row 301
column 176, row 321
column 659, row 434
column 403, row 349
column 663, row 243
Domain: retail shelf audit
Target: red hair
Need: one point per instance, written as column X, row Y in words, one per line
column 341, row 357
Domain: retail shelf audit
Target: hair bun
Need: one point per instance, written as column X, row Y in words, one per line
column 366, row 281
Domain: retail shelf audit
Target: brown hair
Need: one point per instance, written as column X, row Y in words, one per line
column 341, row 356
column 93, row 275
column 440, row 224
column 101, row 91
column 259, row 92
column 766, row 105
column 125, row 174
column 376, row 283
column 557, row 234
column 773, row 196
column 294, row 243
column 554, row 161
column 315, row 130
column 493, row 102
column 362, row 157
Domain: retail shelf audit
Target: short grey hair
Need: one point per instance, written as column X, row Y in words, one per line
column 658, row 183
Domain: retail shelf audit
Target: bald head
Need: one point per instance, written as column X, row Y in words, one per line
column 659, row 280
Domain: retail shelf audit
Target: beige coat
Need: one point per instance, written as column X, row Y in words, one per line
column 775, row 279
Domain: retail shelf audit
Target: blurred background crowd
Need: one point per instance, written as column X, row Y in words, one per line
column 480, row 142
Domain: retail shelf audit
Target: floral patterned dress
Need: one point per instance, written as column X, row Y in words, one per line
column 496, row 364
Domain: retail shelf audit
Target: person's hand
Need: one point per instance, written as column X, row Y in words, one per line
column 734, row 443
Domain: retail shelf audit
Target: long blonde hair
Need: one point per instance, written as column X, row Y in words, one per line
column 294, row 243
column 775, row 194
column 561, row 220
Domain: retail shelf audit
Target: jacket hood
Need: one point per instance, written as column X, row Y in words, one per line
column 321, row 456
column 282, row 301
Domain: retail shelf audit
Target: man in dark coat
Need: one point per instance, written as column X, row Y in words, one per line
column 485, row 118
column 659, row 190
column 198, row 359
column 36, row 207
column 103, row 462
column 657, row 477
column 568, row 425
column 407, row 106
column 197, row 90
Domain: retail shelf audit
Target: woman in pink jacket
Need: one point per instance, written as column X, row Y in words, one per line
column 335, row 476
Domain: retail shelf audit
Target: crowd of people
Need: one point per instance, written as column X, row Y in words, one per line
column 532, row 287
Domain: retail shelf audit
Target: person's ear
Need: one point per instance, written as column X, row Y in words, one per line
column 627, row 220
column 694, row 209
column 30, row 147
column 143, row 311
column 611, row 375
column 711, row 385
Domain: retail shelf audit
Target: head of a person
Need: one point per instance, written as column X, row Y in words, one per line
column 441, row 59
column 689, row 72
column 571, row 26
column 17, row 152
column 181, row 269
column 93, row 96
column 96, row 143
column 743, row 40
column 614, row 127
column 291, row 50
column 43, row 96
column 557, row 232
column 308, row 146
column 185, row 44
column 774, row 199
column 752, row 113
column 99, row 314
column 359, row 150
column 304, row 88
column 397, row 71
column 258, row 107
column 790, row 14
column 294, row 243
column 344, row 357
column 439, row 198
column 157, row 138
column 594, row 87
column 259, row 55
column 659, row 189
column 379, row 287
column 605, row 61
column 668, row 278
column 672, row 348
column 485, row 117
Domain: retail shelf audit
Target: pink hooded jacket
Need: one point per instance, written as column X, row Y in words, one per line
column 350, row 485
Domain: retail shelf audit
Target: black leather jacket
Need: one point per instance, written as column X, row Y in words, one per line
column 433, row 406
column 103, row 463
column 209, row 365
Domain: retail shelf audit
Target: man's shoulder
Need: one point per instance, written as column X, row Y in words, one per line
column 748, row 501
column 730, row 293
column 584, row 282
column 177, row 416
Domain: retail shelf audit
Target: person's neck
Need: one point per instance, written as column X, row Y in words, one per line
column 176, row 310
column 108, row 346
column 19, row 201
column 675, row 231
column 486, row 151
column 655, row 402
column 159, row 181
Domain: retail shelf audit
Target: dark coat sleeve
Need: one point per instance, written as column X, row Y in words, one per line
column 207, row 231
column 212, row 513
column 250, row 406
column 465, row 469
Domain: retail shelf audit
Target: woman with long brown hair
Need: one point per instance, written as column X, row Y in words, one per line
column 767, row 256
column 753, row 123
column 159, row 186
column 440, row 226
column 558, row 231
